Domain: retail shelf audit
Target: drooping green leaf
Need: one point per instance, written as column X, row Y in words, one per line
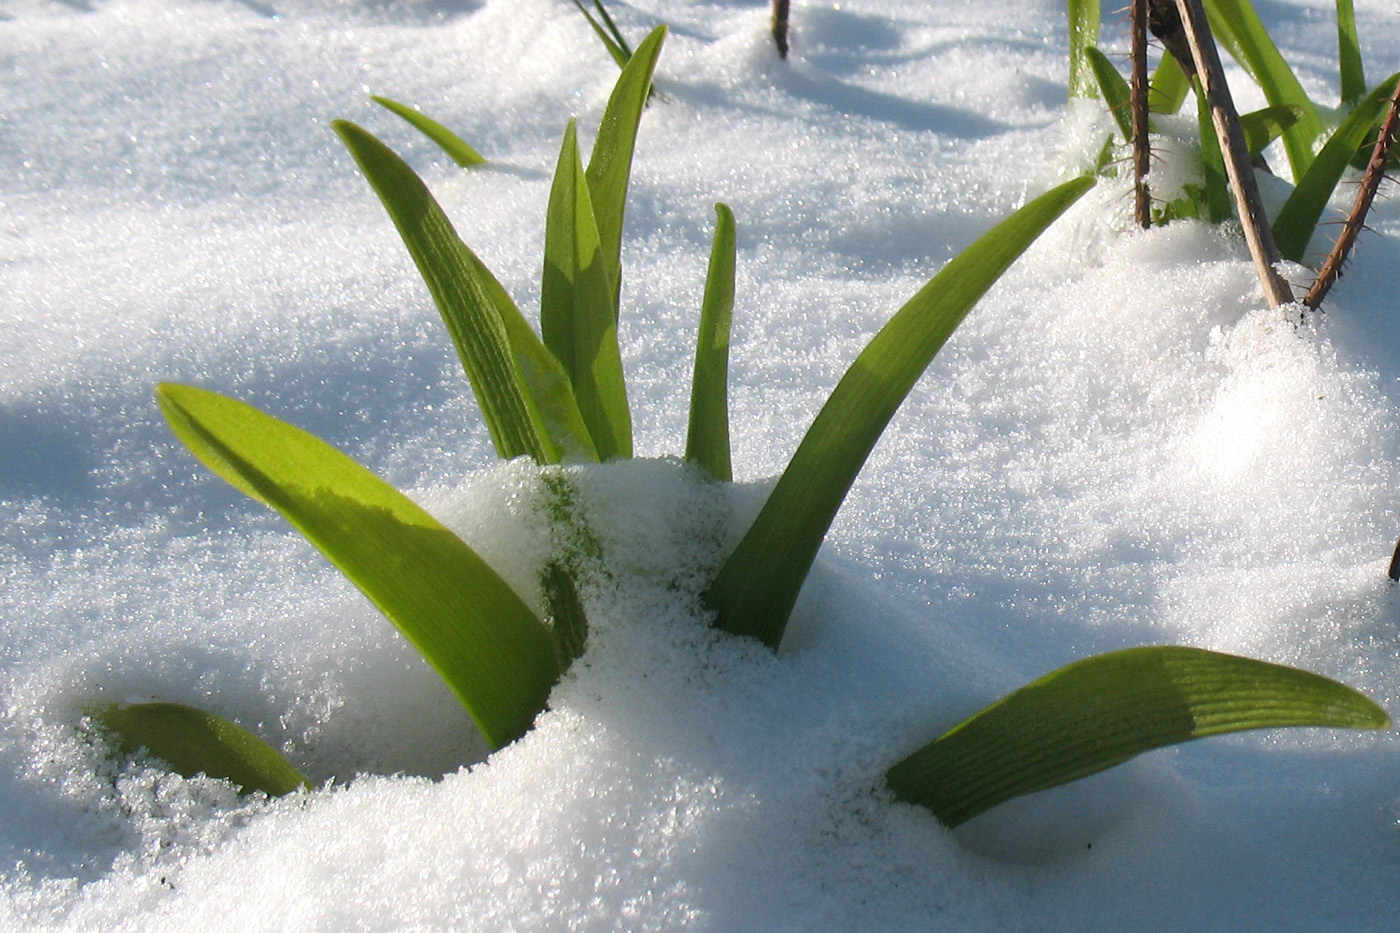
column 1237, row 27
column 707, row 441
column 1168, row 87
column 490, row 648
column 1297, row 219
column 1083, row 35
column 1262, row 127
column 1353, row 74
column 194, row 742
column 578, row 320
column 610, row 164
column 526, row 416
column 1104, row 710
column 1219, row 204
column 1114, row 91
column 448, row 141
column 756, row 588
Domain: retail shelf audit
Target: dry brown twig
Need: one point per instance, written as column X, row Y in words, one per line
column 780, row 27
column 1142, row 154
column 1355, row 221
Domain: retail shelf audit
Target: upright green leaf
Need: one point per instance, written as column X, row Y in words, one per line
column 1353, row 75
column 1218, row 202
column 1113, row 89
column 467, row 299
column 578, row 320
column 756, row 588
column 448, row 141
column 707, row 441
column 607, row 32
column 1297, row 219
column 610, row 165
column 1237, row 26
column 490, row 648
column 1104, row 710
column 1083, row 35
column 194, row 742
column 1168, row 87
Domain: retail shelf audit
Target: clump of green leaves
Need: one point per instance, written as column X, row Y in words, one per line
column 561, row 397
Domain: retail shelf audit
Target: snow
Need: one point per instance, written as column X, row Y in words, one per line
column 1120, row 446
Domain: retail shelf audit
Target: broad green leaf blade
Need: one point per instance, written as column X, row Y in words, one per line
column 578, row 320
column 448, row 141
column 618, row 51
column 1104, row 710
column 1114, row 91
column 610, row 164
column 490, row 648
column 1297, row 219
column 1353, row 75
column 194, row 742
column 1083, row 35
column 467, row 299
column 1262, row 127
column 1237, row 26
column 707, row 441
column 1218, row 202
column 756, row 588
column 1168, row 87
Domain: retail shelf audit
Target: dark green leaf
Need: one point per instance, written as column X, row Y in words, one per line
column 1219, row 204
column 490, row 648
column 1104, row 710
column 1262, row 127
column 448, row 141
column 194, row 742
column 756, row 588
column 707, row 441
column 1114, row 91
column 1353, row 75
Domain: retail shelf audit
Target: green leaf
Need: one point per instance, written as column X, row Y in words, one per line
column 756, row 588
column 578, row 320
column 1104, row 710
column 490, row 648
column 1297, row 219
column 607, row 32
column 194, row 742
column 1114, row 91
column 1262, row 127
column 610, row 165
column 1237, row 26
column 1083, row 35
column 524, row 395
column 707, row 441
column 1353, row 75
column 448, row 141
column 1168, row 87
column 1219, row 204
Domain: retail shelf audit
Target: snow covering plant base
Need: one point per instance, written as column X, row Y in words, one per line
column 1098, row 497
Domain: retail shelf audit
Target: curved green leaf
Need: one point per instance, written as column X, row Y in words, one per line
column 194, row 742
column 1353, row 75
column 524, row 395
column 610, row 164
column 707, row 440
column 1262, row 127
column 578, row 320
column 1297, row 219
column 756, row 588
column 1167, row 91
column 490, row 648
column 610, row 36
column 448, row 141
column 1237, row 26
column 1104, row 710
column 1114, row 90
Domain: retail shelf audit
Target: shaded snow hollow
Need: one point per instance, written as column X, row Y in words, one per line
column 1119, row 447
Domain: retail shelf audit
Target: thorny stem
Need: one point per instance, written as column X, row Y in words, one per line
column 1331, row 269
column 780, row 26
column 1257, row 233
column 1142, row 154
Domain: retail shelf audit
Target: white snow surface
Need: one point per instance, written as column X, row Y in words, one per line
column 1121, row 446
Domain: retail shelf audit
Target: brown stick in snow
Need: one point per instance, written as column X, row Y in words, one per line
column 780, row 26
column 1142, row 154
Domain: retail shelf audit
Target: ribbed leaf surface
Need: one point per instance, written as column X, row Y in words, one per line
column 490, row 648
column 1104, row 710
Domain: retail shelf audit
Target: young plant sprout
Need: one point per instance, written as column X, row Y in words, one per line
column 560, row 396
